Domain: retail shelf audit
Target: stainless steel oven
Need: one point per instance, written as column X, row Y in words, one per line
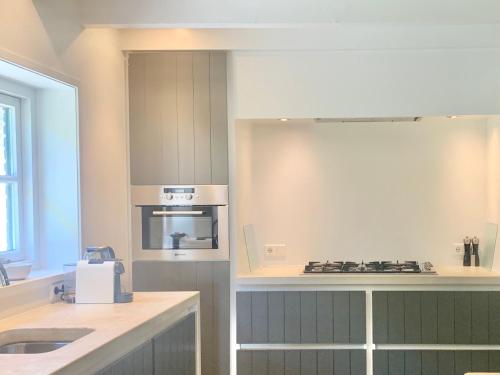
column 180, row 222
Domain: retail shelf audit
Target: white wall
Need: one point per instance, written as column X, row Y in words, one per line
column 56, row 157
column 493, row 178
column 47, row 34
column 363, row 191
column 308, row 84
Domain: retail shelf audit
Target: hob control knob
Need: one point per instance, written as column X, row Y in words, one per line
column 169, row 196
column 189, row 196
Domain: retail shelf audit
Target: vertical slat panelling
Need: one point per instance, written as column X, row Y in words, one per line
column 479, row 361
column 357, row 317
column 341, row 317
column 342, row 362
column 152, row 103
column 446, row 318
column 244, row 362
column 380, row 315
column 204, row 283
column 396, row 317
column 380, row 362
column 413, row 363
column 276, row 306
column 494, row 361
column 446, row 363
column 259, row 317
column 494, row 317
column 396, row 362
column 463, row 362
column 358, row 362
column 308, row 362
column 175, row 348
column 163, row 107
column 221, row 316
column 413, row 318
column 185, row 122
column 292, row 362
column 324, row 308
column 463, row 319
column 218, row 117
column 276, row 364
column 325, row 362
column 139, row 140
column 244, row 314
column 479, row 313
column 429, row 321
column 308, row 318
column 201, row 118
column 259, row 362
column 429, row 362
column 292, row 317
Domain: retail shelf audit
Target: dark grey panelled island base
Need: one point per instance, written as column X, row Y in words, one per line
column 297, row 362
column 379, row 332
column 301, row 317
column 170, row 352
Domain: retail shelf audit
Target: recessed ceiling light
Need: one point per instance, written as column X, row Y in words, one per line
column 452, row 117
column 283, row 119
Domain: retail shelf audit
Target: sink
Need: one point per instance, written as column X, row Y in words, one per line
column 38, row 340
column 32, row 347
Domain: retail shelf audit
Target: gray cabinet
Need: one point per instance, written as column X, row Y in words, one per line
column 174, row 350
column 170, row 352
column 138, row 362
column 301, row 317
column 178, row 118
column 465, row 317
column 399, row 362
column 301, row 362
column 212, row 280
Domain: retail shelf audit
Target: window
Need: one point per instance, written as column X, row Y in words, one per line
column 10, row 177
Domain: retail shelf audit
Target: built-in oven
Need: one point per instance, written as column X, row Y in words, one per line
column 178, row 223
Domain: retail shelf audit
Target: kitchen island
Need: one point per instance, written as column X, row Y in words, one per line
column 377, row 324
column 155, row 333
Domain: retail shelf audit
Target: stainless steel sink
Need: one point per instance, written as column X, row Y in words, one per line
column 32, row 347
column 38, row 340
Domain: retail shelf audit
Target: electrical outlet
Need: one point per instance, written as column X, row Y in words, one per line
column 458, row 248
column 55, row 292
column 275, row 252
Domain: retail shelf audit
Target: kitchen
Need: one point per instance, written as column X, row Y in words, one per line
column 346, row 133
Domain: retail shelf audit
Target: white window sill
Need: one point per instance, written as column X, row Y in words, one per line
column 38, row 276
column 26, row 294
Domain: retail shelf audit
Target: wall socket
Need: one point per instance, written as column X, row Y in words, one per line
column 458, row 247
column 275, row 252
column 53, row 297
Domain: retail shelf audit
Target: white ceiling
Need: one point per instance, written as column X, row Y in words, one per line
column 277, row 13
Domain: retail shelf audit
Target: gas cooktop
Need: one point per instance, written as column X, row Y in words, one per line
column 370, row 267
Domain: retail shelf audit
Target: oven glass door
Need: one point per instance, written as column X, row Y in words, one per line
column 186, row 227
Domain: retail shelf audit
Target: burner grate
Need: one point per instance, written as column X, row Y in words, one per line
column 370, row 267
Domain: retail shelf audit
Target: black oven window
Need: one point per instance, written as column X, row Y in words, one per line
column 170, row 228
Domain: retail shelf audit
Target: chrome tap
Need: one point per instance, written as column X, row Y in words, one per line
column 4, row 278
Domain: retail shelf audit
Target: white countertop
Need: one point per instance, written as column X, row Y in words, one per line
column 118, row 329
column 293, row 275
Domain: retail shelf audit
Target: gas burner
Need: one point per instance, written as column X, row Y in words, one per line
column 370, row 267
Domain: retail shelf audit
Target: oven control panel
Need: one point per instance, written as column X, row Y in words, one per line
column 179, row 195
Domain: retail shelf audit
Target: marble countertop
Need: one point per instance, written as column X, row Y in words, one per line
column 293, row 275
column 117, row 330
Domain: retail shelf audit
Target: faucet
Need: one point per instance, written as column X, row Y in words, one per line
column 4, row 278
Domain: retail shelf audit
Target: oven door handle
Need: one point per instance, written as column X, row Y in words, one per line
column 170, row 213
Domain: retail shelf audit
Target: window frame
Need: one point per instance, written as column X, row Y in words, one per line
column 20, row 252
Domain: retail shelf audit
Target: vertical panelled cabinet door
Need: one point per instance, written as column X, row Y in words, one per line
column 178, row 118
column 171, row 352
